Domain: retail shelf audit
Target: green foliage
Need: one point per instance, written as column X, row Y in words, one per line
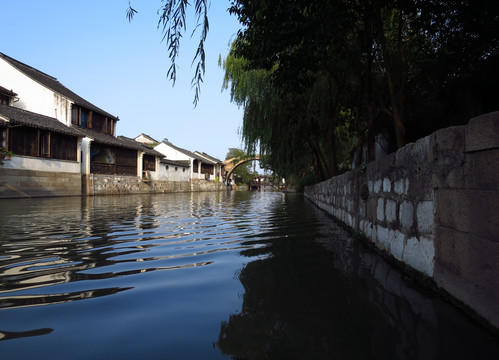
column 4, row 154
column 172, row 19
column 319, row 79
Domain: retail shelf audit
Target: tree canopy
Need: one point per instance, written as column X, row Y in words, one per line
column 322, row 81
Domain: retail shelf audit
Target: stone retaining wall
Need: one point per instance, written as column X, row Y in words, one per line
column 16, row 183
column 113, row 185
column 204, row 185
column 433, row 206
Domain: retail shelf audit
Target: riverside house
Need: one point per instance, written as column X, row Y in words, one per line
column 202, row 169
column 61, row 144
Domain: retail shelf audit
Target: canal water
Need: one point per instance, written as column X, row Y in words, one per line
column 242, row 275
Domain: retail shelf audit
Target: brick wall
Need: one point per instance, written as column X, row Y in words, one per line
column 434, row 206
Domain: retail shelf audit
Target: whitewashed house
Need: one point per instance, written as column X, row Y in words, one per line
column 188, row 160
column 212, row 166
column 30, row 133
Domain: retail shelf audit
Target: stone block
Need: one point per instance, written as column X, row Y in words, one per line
column 481, row 170
column 419, row 254
column 380, row 210
column 400, row 186
column 470, row 257
column 476, row 298
column 425, row 215
column 396, row 243
column 387, row 185
column 371, row 208
column 390, row 211
column 382, row 238
column 482, row 132
column 473, row 211
column 447, row 154
column 406, row 214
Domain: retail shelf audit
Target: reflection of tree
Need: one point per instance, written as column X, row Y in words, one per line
column 297, row 305
column 302, row 302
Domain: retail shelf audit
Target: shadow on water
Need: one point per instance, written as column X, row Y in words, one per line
column 301, row 302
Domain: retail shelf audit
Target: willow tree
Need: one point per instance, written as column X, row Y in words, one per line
column 376, row 59
column 295, row 130
column 173, row 21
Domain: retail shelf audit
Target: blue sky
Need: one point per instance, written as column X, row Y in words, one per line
column 121, row 67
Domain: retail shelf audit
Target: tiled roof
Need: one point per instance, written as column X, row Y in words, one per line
column 183, row 151
column 7, row 92
column 52, row 83
column 146, row 149
column 107, row 139
column 17, row 116
column 148, row 137
column 184, row 163
column 208, row 157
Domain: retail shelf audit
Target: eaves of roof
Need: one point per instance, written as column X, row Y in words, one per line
column 106, row 139
column 15, row 116
column 53, row 84
column 183, row 163
column 7, row 92
column 183, row 151
column 148, row 137
column 208, row 157
column 146, row 149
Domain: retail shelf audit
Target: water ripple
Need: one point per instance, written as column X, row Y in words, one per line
column 39, row 253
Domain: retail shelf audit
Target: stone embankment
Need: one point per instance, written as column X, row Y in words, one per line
column 113, row 185
column 433, row 206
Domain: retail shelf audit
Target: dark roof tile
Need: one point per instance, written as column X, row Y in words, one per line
column 106, row 139
column 52, row 83
column 27, row 118
column 146, row 149
column 184, row 163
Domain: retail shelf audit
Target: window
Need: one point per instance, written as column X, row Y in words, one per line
column 111, row 160
column 24, row 141
column 110, row 126
column 206, row 169
column 84, row 118
column 149, row 163
column 33, row 142
column 75, row 115
column 99, row 122
column 45, row 139
column 63, row 147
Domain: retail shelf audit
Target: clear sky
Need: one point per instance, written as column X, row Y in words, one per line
column 121, row 67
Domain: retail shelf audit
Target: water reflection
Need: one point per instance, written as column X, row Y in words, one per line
column 9, row 335
column 301, row 302
column 47, row 242
column 208, row 275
